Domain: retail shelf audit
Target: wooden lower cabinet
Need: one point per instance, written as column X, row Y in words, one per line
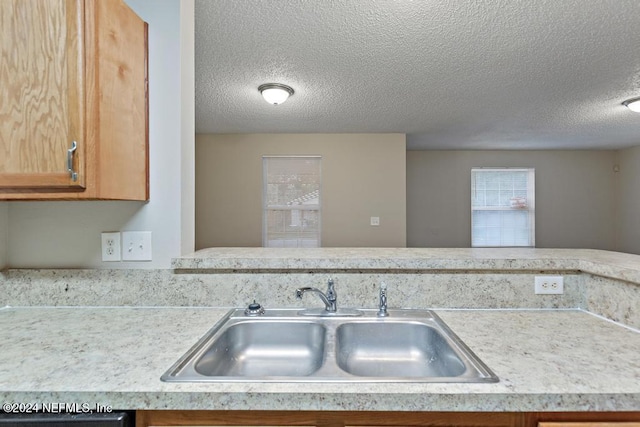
column 385, row 419
column 590, row 424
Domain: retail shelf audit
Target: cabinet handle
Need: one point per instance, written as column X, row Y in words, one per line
column 70, row 151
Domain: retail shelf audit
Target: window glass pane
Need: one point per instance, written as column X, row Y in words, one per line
column 292, row 228
column 492, row 198
column 492, row 218
column 502, row 228
column 493, row 180
column 292, row 180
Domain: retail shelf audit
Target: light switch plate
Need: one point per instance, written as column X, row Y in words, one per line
column 136, row 246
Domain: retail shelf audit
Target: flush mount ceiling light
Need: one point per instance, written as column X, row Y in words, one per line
column 275, row 93
column 632, row 104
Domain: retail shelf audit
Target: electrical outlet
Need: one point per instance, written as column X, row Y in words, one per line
column 136, row 246
column 549, row 285
column 375, row 220
column 111, row 246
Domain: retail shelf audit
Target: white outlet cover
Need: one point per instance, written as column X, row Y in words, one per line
column 110, row 246
column 136, row 246
column 549, row 285
column 375, row 220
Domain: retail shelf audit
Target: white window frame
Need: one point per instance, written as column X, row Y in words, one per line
column 515, row 203
column 266, row 208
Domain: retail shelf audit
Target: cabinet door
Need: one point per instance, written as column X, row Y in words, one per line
column 41, row 95
column 326, row 419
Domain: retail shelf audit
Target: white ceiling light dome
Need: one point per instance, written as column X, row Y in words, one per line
column 275, row 93
column 632, row 104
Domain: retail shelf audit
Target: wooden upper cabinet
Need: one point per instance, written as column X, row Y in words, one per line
column 41, row 99
column 73, row 100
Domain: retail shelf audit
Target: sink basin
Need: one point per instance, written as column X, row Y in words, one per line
column 256, row 349
column 395, row 349
column 284, row 346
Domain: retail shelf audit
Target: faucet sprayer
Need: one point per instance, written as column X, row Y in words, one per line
column 382, row 306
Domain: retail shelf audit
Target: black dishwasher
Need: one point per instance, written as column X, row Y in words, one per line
column 112, row 419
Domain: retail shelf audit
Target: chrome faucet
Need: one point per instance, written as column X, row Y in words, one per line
column 329, row 299
column 382, row 306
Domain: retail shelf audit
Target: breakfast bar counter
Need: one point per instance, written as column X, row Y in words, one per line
column 105, row 337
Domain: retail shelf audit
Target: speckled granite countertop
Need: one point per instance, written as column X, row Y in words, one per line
column 615, row 265
column 547, row 360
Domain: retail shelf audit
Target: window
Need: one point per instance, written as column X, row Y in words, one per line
column 502, row 207
column 291, row 201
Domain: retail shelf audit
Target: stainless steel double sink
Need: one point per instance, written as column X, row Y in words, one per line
column 284, row 346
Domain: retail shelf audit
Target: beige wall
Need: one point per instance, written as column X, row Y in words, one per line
column 628, row 214
column 575, row 196
column 363, row 175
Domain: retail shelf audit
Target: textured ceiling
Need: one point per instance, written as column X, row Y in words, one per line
column 451, row 74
